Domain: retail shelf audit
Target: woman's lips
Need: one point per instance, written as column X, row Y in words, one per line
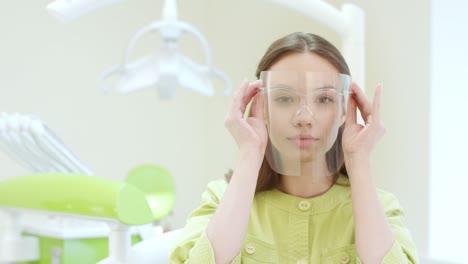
column 303, row 141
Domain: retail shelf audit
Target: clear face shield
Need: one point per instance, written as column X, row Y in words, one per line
column 303, row 113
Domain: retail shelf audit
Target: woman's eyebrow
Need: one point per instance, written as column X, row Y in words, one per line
column 282, row 86
column 326, row 88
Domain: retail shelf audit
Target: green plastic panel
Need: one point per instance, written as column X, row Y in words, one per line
column 73, row 251
column 78, row 194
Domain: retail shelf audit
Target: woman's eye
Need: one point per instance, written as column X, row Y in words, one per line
column 324, row 99
column 284, row 99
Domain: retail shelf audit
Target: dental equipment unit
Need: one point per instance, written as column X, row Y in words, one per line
column 81, row 208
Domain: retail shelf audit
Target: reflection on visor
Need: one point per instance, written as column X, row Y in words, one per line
column 304, row 112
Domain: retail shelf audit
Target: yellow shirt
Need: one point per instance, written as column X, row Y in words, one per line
column 289, row 229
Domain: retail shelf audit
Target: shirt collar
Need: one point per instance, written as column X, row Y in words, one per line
column 339, row 192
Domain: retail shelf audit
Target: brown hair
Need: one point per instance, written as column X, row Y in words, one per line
column 300, row 42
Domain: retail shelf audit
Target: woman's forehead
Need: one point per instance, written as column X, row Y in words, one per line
column 303, row 62
column 302, row 80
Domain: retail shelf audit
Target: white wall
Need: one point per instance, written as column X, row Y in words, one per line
column 51, row 70
column 448, row 143
column 398, row 55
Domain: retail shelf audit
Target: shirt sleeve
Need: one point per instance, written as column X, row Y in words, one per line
column 403, row 249
column 193, row 245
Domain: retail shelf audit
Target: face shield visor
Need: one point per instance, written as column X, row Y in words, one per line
column 303, row 114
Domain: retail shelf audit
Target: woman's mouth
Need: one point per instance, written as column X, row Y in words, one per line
column 303, row 141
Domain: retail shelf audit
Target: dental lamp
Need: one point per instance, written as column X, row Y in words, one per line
column 167, row 68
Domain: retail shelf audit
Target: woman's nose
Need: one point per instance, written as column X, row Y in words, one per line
column 303, row 117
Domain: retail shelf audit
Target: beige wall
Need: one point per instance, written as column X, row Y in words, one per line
column 51, row 70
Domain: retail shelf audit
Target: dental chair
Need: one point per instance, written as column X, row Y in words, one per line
column 141, row 201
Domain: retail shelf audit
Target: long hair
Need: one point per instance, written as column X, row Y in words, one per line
column 300, row 42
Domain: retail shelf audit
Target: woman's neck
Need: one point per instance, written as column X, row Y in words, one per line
column 314, row 179
column 305, row 186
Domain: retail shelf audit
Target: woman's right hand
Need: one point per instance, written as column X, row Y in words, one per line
column 249, row 133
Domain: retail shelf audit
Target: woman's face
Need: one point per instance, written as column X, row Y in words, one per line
column 304, row 112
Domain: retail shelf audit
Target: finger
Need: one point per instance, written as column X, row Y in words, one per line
column 351, row 112
column 237, row 100
column 257, row 106
column 363, row 103
column 376, row 103
column 249, row 92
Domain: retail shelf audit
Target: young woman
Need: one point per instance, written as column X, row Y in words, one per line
column 302, row 190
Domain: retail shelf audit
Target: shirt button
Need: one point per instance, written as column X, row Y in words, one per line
column 304, row 205
column 344, row 259
column 250, row 249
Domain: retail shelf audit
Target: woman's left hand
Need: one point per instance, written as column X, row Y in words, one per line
column 359, row 140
